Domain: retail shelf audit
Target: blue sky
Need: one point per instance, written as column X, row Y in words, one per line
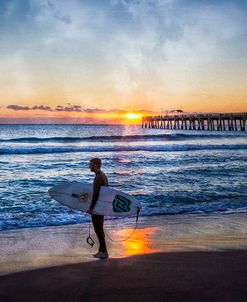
column 124, row 54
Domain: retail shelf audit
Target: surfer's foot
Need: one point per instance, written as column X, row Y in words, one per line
column 101, row 255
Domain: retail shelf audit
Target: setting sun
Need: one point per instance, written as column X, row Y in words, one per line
column 132, row 116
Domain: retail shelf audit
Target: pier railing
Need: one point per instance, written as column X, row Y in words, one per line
column 192, row 121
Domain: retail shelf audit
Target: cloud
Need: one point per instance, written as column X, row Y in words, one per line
column 173, row 44
column 42, row 107
column 95, row 110
column 72, row 108
column 61, row 17
column 18, row 107
column 78, row 108
column 98, row 110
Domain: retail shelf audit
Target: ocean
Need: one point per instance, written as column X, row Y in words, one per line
column 169, row 171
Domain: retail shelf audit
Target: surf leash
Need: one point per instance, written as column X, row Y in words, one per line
column 127, row 238
column 90, row 240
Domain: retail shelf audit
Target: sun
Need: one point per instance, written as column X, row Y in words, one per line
column 133, row 116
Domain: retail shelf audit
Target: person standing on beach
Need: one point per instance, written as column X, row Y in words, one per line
column 98, row 220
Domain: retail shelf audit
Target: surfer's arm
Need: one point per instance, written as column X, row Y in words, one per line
column 96, row 189
column 100, row 180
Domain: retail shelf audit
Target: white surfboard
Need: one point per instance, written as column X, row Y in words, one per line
column 111, row 202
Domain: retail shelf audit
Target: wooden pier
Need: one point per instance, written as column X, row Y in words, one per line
column 210, row 122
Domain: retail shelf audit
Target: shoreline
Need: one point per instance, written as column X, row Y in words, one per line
column 34, row 248
column 126, row 219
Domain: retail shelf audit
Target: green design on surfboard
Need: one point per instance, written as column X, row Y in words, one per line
column 121, row 204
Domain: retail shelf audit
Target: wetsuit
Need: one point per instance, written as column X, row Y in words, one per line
column 98, row 220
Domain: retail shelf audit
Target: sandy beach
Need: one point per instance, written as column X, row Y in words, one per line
column 182, row 258
column 178, row 276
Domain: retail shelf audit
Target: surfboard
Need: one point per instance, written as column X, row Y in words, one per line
column 111, row 202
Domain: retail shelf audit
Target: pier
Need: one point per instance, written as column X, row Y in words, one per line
column 189, row 121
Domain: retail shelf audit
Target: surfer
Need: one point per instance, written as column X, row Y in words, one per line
column 98, row 220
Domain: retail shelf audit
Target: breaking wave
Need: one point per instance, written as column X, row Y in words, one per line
column 113, row 138
column 153, row 148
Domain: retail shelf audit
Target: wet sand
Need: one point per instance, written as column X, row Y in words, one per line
column 175, row 258
column 177, row 276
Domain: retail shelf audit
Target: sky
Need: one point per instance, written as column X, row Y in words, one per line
column 97, row 61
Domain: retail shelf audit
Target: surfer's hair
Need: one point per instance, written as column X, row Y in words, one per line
column 96, row 161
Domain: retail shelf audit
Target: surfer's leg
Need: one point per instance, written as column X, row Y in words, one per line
column 98, row 221
column 102, row 235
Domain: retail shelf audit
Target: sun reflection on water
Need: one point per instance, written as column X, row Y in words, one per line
column 140, row 243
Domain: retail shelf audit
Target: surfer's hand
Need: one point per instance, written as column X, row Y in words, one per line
column 90, row 211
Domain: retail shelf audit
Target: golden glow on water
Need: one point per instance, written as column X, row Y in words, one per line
column 140, row 243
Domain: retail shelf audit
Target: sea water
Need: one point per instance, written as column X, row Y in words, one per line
column 169, row 171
